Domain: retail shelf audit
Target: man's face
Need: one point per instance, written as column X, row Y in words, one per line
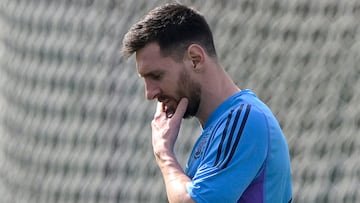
column 167, row 80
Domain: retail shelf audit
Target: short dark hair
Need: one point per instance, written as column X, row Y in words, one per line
column 174, row 27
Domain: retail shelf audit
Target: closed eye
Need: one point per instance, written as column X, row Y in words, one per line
column 154, row 75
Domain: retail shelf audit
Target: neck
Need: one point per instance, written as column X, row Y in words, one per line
column 217, row 87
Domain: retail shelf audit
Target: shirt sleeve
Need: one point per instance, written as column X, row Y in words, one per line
column 233, row 158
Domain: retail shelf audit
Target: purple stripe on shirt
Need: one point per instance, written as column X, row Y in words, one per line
column 254, row 193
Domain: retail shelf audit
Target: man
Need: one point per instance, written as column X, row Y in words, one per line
column 242, row 154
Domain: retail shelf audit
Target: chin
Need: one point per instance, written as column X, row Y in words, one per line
column 190, row 112
column 187, row 116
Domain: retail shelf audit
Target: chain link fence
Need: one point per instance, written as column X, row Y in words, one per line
column 75, row 124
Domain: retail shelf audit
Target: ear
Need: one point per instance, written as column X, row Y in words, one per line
column 197, row 56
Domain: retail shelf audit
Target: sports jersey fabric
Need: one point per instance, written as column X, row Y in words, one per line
column 241, row 155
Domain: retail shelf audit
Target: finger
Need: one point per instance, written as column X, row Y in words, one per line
column 180, row 109
column 159, row 109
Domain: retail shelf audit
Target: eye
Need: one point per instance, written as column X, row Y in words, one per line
column 156, row 76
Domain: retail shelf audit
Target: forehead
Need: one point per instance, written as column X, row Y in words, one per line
column 150, row 59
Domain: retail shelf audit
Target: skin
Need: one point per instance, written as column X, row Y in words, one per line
column 194, row 86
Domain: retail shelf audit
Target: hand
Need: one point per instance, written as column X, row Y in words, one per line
column 165, row 129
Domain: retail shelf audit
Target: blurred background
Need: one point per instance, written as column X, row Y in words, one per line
column 74, row 122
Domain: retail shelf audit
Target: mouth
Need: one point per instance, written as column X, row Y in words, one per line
column 169, row 105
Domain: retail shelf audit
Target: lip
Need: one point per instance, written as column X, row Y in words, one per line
column 169, row 110
column 169, row 105
column 164, row 99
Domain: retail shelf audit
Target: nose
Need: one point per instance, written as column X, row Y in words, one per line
column 151, row 90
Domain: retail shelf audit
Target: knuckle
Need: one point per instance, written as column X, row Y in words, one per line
column 153, row 123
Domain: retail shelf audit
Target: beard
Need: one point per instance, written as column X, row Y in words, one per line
column 188, row 88
column 191, row 90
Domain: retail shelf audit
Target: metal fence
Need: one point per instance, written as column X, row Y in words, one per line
column 75, row 125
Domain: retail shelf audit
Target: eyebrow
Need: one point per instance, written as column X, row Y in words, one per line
column 151, row 73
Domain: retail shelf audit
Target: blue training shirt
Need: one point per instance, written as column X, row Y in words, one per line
column 241, row 155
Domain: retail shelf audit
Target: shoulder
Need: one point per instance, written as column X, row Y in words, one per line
column 243, row 127
column 243, row 115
